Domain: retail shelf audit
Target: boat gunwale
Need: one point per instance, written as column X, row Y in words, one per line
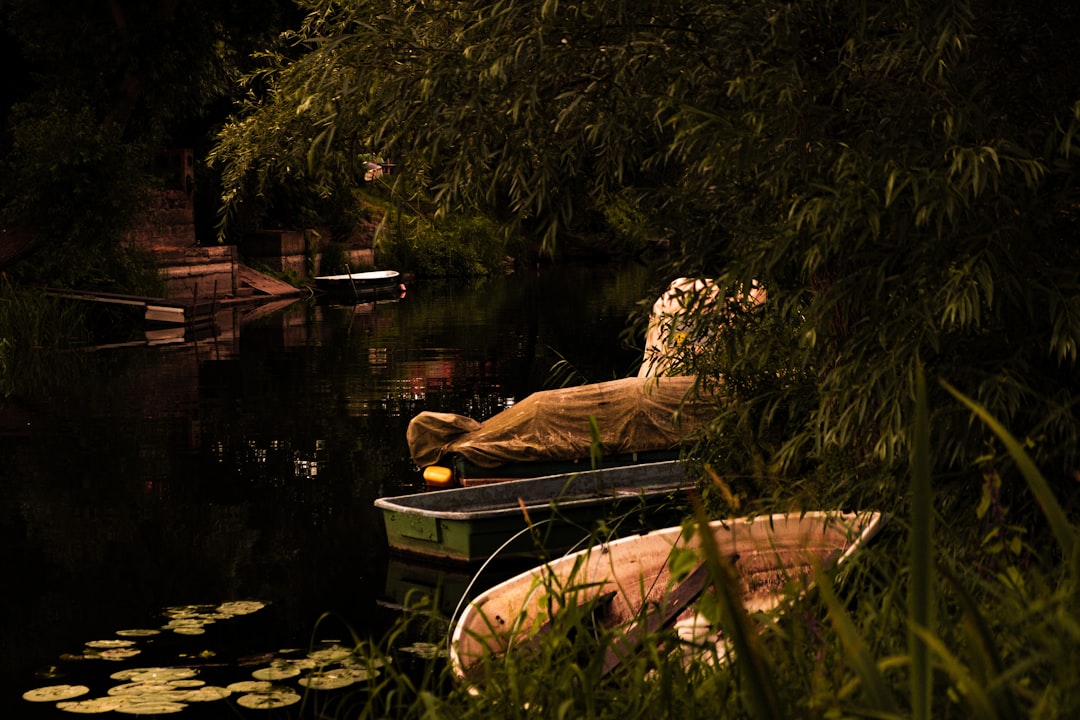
column 503, row 493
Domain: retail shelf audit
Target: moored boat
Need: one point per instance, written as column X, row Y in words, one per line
column 629, row 582
column 534, row 516
column 625, row 421
column 361, row 286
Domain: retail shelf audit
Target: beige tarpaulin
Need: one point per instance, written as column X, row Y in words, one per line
column 633, row 415
column 672, row 315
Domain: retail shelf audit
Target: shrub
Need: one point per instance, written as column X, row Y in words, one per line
column 467, row 246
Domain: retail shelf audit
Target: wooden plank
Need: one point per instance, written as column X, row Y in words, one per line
column 164, row 314
column 684, row 593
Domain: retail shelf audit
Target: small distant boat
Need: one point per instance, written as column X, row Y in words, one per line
column 361, row 286
column 628, row 585
column 528, row 517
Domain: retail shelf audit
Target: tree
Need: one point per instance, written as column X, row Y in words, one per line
column 901, row 177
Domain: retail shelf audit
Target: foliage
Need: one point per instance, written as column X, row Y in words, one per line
column 900, row 176
column 459, row 246
column 629, row 222
column 913, row 211
column 335, row 259
column 40, row 339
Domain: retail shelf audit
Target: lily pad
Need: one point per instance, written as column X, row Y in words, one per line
column 151, row 708
column 208, row 693
column 138, row 632
column 241, row 607
column 268, row 700
column 250, row 686
column 100, row 644
column 278, row 671
column 92, row 706
column 154, row 674
column 326, row 681
column 53, row 693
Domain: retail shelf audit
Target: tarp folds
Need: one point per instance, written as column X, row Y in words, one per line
column 633, row 415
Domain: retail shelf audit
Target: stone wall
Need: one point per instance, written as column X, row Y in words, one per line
column 199, row 272
column 290, row 250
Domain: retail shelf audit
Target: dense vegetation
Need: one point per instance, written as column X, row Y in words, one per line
column 901, row 179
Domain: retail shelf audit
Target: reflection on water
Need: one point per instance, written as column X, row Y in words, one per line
column 245, row 465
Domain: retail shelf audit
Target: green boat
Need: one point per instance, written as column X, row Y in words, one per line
column 535, row 517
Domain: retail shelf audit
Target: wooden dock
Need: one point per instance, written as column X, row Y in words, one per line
column 156, row 311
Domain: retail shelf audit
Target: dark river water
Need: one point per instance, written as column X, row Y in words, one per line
column 243, row 467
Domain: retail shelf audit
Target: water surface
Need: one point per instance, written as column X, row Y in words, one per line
column 244, row 466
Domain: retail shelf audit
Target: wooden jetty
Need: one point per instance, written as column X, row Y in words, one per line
column 199, row 309
column 156, row 311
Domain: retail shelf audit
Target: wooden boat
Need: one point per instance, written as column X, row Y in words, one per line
column 628, row 582
column 530, row 517
column 361, row 286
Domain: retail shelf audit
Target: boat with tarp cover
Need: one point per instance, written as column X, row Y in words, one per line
column 630, row 421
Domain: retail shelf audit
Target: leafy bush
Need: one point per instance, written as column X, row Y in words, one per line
column 467, row 246
column 335, row 259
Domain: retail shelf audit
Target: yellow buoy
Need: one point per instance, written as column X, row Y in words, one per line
column 438, row 476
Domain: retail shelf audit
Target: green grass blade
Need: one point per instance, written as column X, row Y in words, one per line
column 984, row 653
column 979, row 703
column 1063, row 530
column 921, row 596
column 760, row 692
column 858, row 656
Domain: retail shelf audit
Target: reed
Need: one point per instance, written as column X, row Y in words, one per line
column 38, row 337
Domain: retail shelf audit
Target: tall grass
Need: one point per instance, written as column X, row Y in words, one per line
column 928, row 621
column 38, row 336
